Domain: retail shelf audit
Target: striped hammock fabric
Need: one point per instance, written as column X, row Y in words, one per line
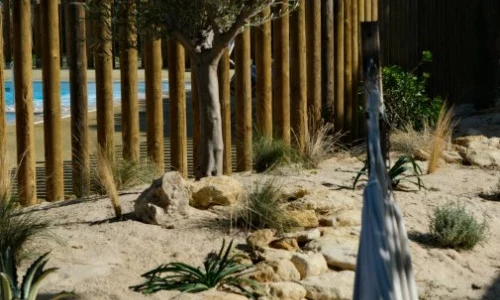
column 383, row 269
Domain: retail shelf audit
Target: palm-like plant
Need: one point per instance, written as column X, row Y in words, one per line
column 405, row 168
column 9, row 285
column 220, row 271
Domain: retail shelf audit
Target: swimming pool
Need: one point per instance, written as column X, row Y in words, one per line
column 65, row 96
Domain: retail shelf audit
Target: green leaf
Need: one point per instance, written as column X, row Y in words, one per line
column 33, row 292
column 5, row 289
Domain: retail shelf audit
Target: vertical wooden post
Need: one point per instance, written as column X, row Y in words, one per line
column 339, row 65
column 299, row 79
column 263, row 62
column 355, row 70
column 368, row 10
column 52, row 100
column 128, row 74
column 7, row 42
column 104, row 82
column 313, row 27
column 77, row 63
column 195, row 101
column 328, row 60
column 361, row 120
column 243, row 103
column 177, row 117
column 225, row 100
column 154, row 103
column 21, row 16
column 281, row 81
column 348, row 67
column 4, row 168
column 375, row 10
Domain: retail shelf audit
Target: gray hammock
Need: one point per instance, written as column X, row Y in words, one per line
column 383, row 269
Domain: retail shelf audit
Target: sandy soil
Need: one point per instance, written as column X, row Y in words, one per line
column 99, row 259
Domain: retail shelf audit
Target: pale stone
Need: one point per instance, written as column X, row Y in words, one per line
column 215, row 190
column 452, row 157
column 340, row 257
column 284, row 270
column 289, row 244
column 305, row 235
column 275, row 254
column 421, row 155
column 164, row 202
column 210, row 295
column 483, row 158
column 466, row 141
column 286, row 291
column 349, row 218
column 330, row 286
column 261, row 238
column 328, row 221
column 310, row 264
column 305, row 218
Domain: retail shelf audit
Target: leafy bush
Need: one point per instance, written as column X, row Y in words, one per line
column 271, row 153
column 221, row 270
column 17, row 228
column 9, row 285
column 453, row 227
column 263, row 208
column 406, row 98
column 398, row 172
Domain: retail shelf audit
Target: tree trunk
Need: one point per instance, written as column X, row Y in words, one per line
column 212, row 144
column 4, row 168
column 225, row 100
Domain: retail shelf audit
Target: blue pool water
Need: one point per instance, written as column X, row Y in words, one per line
column 65, row 96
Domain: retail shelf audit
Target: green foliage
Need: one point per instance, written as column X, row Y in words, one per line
column 17, row 228
column 126, row 174
column 221, row 270
column 453, row 227
column 405, row 96
column 264, row 208
column 271, row 153
column 28, row 290
column 403, row 169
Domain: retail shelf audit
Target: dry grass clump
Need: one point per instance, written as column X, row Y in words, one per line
column 442, row 136
column 321, row 145
column 408, row 140
column 272, row 153
column 452, row 226
column 107, row 178
column 264, row 208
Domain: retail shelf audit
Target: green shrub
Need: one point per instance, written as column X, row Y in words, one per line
column 221, row 270
column 264, row 208
column 453, row 227
column 271, row 153
column 405, row 96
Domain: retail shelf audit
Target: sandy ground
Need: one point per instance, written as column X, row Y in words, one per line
column 99, row 259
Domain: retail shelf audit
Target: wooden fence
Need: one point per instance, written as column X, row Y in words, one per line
column 307, row 65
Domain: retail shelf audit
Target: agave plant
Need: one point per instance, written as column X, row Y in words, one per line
column 220, row 271
column 405, row 168
column 9, row 285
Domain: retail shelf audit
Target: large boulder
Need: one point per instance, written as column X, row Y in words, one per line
column 260, row 239
column 165, row 201
column 479, row 150
column 217, row 190
column 310, row 264
column 330, row 286
column 286, row 291
column 304, row 218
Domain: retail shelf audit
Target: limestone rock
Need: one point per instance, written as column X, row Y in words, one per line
column 263, row 273
column 451, row 157
column 328, row 221
column 270, row 254
column 330, row 286
column 340, row 257
column 310, row 264
column 166, row 200
column 421, row 155
column 210, row 295
column 305, row 218
column 349, row 218
column 217, row 190
column 467, row 141
column 284, row 270
column 305, row 235
column 286, row 291
column 289, row 244
column 483, row 158
column 261, row 238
